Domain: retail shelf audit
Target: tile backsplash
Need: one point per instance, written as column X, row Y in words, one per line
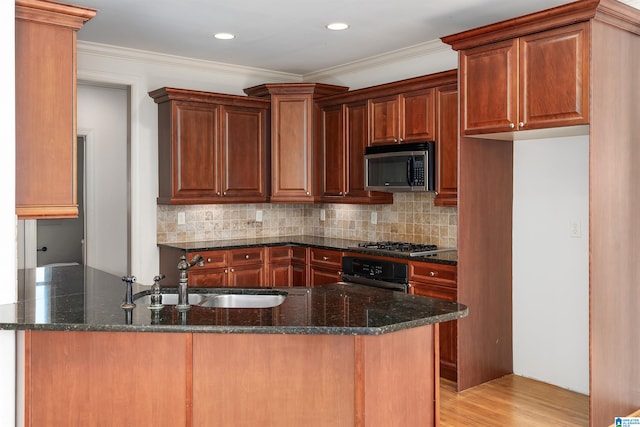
column 411, row 218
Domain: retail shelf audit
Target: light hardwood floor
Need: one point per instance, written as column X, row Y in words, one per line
column 512, row 401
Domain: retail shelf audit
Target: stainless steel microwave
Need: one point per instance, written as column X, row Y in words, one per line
column 400, row 167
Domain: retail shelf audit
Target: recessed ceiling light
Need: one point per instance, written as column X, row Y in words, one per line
column 337, row 26
column 224, row 36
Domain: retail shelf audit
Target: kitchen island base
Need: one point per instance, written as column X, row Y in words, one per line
column 76, row 378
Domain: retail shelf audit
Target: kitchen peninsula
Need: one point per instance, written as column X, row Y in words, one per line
column 334, row 355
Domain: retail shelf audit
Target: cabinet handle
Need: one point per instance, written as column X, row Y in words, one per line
column 521, row 124
column 433, row 274
column 511, row 126
column 247, row 256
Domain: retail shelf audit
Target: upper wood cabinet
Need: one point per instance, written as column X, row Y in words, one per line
column 212, row 148
column 45, row 37
column 447, row 145
column 295, row 140
column 407, row 117
column 344, row 139
column 535, row 81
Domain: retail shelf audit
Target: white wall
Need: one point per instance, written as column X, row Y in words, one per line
column 145, row 71
column 103, row 119
column 8, row 253
column 550, row 268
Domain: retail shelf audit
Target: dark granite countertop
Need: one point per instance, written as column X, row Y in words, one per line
column 312, row 241
column 82, row 298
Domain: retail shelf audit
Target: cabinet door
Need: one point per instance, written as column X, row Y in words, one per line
column 279, row 274
column 244, row 153
column 448, row 330
column 291, row 147
column 319, row 275
column 554, row 78
column 447, row 146
column 384, row 120
column 333, row 151
column 298, row 274
column 489, row 85
column 208, row 278
column 418, row 116
column 357, row 141
column 249, row 276
column 196, row 159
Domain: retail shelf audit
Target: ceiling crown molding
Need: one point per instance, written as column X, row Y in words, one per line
column 136, row 55
column 404, row 54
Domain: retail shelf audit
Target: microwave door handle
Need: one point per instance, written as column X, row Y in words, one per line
column 410, row 169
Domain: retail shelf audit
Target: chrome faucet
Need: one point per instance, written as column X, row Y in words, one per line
column 183, row 286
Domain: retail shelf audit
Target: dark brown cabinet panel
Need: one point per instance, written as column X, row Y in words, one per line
column 384, row 120
column 287, row 266
column 447, row 146
column 333, row 153
column 295, row 138
column 532, row 82
column 45, row 37
column 418, row 116
column 439, row 281
column 211, row 147
column 325, row 266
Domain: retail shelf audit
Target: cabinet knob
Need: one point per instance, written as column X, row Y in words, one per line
column 325, row 258
column 521, row 124
column 226, row 271
column 433, row 274
column 246, row 256
column 209, row 260
column 339, row 193
column 511, row 126
column 217, row 193
column 224, row 194
column 308, row 193
column 233, row 269
column 401, row 139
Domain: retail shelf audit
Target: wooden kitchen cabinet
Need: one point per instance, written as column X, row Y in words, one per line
column 325, row 266
column 407, row 117
column 344, row 139
column 535, row 81
column 244, row 267
column 439, row 281
column 287, row 266
column 46, row 170
column 212, row 148
column 447, row 146
column 295, row 140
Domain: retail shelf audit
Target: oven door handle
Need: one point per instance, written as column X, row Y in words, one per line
column 401, row 287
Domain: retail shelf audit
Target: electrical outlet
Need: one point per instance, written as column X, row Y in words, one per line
column 374, row 217
column 575, row 228
column 323, row 214
column 181, row 218
column 258, row 216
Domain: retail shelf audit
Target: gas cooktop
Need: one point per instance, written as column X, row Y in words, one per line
column 411, row 249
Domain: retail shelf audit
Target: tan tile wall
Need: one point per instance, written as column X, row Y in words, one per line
column 411, row 218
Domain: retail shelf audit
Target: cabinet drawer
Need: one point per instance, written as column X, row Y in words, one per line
column 279, row 253
column 441, row 274
column 246, row 256
column 212, row 259
column 325, row 257
column 433, row 291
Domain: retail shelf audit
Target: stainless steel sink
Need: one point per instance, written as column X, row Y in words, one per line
column 222, row 298
column 244, row 300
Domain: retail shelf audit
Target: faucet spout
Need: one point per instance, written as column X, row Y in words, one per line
column 183, row 282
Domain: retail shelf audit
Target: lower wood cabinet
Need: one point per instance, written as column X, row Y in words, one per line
column 287, row 266
column 325, row 266
column 439, row 281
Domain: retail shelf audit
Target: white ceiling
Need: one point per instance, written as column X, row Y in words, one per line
column 290, row 35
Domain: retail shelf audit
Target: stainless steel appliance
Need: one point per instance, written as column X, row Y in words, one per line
column 375, row 272
column 411, row 249
column 400, row 167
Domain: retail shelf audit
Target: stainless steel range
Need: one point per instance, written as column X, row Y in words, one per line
column 411, row 249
